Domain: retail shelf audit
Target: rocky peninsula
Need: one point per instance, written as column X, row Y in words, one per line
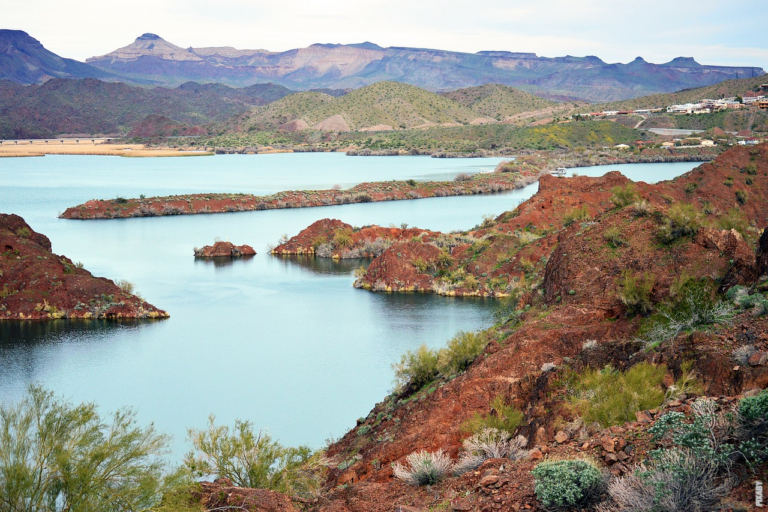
column 37, row 284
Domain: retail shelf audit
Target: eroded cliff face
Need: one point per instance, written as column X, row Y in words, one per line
column 36, row 284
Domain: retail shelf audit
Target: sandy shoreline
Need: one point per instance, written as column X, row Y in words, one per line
column 9, row 149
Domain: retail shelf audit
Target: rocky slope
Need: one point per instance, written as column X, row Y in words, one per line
column 570, row 318
column 40, row 285
column 352, row 66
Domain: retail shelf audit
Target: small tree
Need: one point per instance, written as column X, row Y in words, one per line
column 55, row 456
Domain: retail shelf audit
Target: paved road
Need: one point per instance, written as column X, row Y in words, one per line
column 673, row 131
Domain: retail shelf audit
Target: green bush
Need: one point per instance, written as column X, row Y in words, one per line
column 58, row 456
column 624, row 196
column 567, row 484
column 460, row 352
column 734, row 219
column 635, row 292
column 502, row 416
column 416, row 368
column 580, row 214
column 681, row 220
column 753, row 417
column 610, row 397
column 741, row 197
column 342, row 238
column 252, row 459
column 614, row 237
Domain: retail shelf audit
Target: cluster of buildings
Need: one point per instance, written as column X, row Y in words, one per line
column 704, row 106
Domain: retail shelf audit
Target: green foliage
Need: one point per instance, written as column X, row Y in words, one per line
column 342, row 238
column 681, row 220
column 421, row 264
column 635, row 292
column 610, row 397
column 23, row 232
column 502, row 416
column 693, row 307
column 126, row 286
column 624, row 196
column 734, row 219
column 741, row 197
column 567, row 484
column 614, row 237
column 416, row 369
column 580, row 214
column 460, row 352
column 56, row 456
column 423, row 468
column 252, row 459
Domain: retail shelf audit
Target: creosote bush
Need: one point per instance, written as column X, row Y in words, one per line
column 624, row 196
column 610, row 397
column 681, row 220
column 423, row 468
column 502, row 416
column 614, row 237
column 416, row 369
column 568, row 484
column 635, row 292
column 580, row 214
column 126, row 286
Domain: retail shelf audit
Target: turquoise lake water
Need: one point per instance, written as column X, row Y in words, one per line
column 284, row 342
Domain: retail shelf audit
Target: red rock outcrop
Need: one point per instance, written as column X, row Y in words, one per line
column 222, row 495
column 224, row 250
column 36, row 284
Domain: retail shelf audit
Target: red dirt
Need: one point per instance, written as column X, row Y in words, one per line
column 224, row 250
column 362, row 193
column 36, row 284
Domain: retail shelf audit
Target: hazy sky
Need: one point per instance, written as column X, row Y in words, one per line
column 712, row 31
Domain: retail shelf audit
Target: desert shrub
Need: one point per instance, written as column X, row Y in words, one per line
column 421, row 264
column 121, row 200
column 126, row 286
column 741, row 197
column 470, row 282
column 378, row 246
column 635, row 292
column 681, row 220
column 360, row 272
column 362, row 197
column 502, row 416
column 249, row 459
column 624, row 196
column 489, row 443
column 342, row 238
column 56, row 456
column 742, row 354
column 580, row 214
column 694, row 307
column 568, row 484
column 411, row 182
column 526, row 237
column 462, row 177
column 444, row 260
column 642, row 208
column 324, row 250
column 614, row 237
column 734, row 219
column 460, row 352
column 610, row 397
column 416, row 368
column 423, row 468
column 688, row 384
column 752, row 426
column 751, row 169
column 677, row 480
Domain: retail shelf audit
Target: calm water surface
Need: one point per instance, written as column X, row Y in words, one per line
column 284, row 342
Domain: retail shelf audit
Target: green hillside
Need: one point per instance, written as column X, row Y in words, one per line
column 398, row 105
column 726, row 89
column 498, row 101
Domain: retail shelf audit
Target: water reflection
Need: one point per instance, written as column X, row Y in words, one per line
column 26, row 333
column 222, row 261
column 323, row 266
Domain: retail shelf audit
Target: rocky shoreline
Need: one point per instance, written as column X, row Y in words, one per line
column 363, row 193
column 36, row 284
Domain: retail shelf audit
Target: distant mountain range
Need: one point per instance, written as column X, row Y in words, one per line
column 89, row 106
column 150, row 60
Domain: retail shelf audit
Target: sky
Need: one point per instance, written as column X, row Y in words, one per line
column 712, row 31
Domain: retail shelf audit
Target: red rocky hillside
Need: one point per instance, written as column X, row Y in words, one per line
column 36, row 284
